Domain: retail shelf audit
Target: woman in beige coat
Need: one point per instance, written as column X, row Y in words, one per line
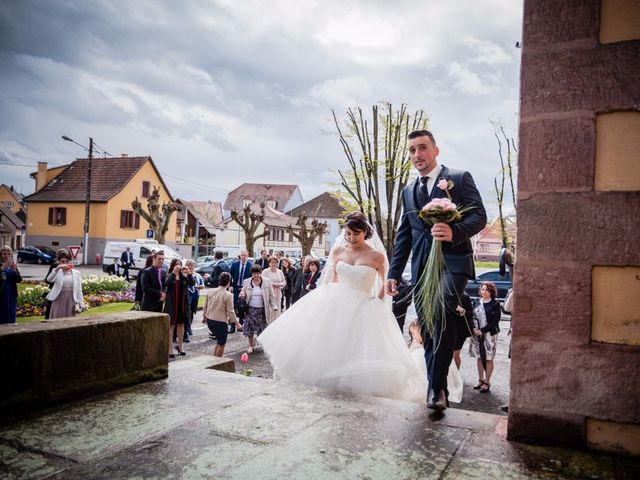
column 218, row 312
column 263, row 309
column 277, row 280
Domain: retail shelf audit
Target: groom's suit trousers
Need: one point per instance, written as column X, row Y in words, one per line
column 438, row 349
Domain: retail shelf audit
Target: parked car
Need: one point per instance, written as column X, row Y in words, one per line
column 207, row 268
column 36, row 254
column 503, row 283
column 204, row 259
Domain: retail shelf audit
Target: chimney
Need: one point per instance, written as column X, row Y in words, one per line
column 124, row 155
column 41, row 176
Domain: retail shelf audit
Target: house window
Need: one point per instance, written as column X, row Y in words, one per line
column 57, row 216
column 290, row 237
column 319, row 239
column 8, row 203
column 146, row 186
column 129, row 219
column 246, row 203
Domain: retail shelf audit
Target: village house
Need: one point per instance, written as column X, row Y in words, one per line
column 488, row 243
column 13, row 215
column 324, row 208
column 56, row 211
column 279, row 197
column 197, row 218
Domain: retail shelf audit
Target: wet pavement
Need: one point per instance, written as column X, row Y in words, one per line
column 200, row 423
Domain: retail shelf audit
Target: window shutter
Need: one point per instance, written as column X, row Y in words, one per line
column 50, row 215
column 137, row 220
column 123, row 219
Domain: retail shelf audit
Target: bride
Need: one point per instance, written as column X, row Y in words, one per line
column 343, row 335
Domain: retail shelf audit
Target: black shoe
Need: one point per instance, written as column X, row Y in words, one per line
column 186, row 340
column 171, row 355
column 438, row 402
column 232, row 329
column 181, row 353
column 505, row 408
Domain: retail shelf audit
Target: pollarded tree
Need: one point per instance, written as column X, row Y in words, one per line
column 249, row 223
column 307, row 235
column 379, row 166
column 157, row 215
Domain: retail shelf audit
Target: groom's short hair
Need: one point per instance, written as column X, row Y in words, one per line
column 422, row 133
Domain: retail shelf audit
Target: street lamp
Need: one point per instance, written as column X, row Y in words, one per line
column 87, row 202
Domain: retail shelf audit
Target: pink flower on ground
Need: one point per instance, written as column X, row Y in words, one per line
column 244, row 358
column 443, row 184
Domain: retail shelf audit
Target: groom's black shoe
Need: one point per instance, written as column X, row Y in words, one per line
column 438, row 402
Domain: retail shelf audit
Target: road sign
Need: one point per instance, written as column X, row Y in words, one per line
column 149, row 233
column 73, row 250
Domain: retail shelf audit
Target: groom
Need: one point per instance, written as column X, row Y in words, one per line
column 415, row 237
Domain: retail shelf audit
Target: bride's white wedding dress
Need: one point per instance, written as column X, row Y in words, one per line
column 341, row 337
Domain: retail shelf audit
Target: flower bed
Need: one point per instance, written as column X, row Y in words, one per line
column 96, row 291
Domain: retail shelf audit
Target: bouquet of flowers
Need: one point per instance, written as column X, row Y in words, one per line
column 429, row 290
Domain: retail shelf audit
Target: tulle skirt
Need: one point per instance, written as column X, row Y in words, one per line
column 341, row 338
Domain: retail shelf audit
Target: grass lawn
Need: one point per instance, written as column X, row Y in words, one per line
column 108, row 308
column 487, row 264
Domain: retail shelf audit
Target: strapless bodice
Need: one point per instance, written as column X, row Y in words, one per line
column 358, row 277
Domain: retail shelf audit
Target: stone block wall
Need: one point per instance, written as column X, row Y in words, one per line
column 575, row 373
column 56, row 360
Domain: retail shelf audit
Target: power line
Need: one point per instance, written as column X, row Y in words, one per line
column 190, row 182
column 17, row 164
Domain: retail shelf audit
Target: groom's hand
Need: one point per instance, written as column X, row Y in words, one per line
column 391, row 287
column 442, row 232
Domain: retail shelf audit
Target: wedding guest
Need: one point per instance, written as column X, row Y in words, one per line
column 47, row 306
column 263, row 261
column 194, row 295
column 289, row 272
column 259, row 295
column 9, row 279
column 179, row 279
column 139, row 292
column 311, row 278
column 277, row 280
column 401, row 302
column 152, row 283
column 66, row 292
column 218, row 312
column 298, row 282
column 486, row 320
column 464, row 325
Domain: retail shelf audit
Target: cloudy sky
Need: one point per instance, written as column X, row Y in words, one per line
column 221, row 92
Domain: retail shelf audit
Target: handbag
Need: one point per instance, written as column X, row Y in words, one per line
column 242, row 307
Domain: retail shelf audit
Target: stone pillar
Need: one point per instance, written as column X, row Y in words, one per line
column 575, row 373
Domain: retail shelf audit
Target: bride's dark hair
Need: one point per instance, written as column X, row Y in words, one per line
column 357, row 222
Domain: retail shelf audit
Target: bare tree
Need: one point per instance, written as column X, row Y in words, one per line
column 379, row 167
column 249, row 222
column 506, row 170
column 158, row 216
column 307, row 235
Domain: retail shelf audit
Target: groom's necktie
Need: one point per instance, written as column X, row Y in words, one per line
column 423, row 191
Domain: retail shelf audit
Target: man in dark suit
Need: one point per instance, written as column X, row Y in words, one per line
column 414, row 237
column 240, row 269
column 126, row 260
column 263, row 261
column 153, row 281
column 219, row 266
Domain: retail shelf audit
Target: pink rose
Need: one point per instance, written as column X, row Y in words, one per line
column 443, row 184
column 244, row 358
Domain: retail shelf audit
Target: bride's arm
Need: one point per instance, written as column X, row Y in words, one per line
column 381, row 274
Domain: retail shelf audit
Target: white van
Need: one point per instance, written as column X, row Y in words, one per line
column 140, row 248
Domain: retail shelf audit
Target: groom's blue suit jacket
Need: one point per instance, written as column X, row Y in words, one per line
column 414, row 235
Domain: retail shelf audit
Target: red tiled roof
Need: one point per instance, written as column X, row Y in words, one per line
column 210, row 211
column 325, row 205
column 259, row 192
column 108, row 177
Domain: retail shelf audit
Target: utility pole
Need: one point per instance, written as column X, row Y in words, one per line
column 87, row 207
